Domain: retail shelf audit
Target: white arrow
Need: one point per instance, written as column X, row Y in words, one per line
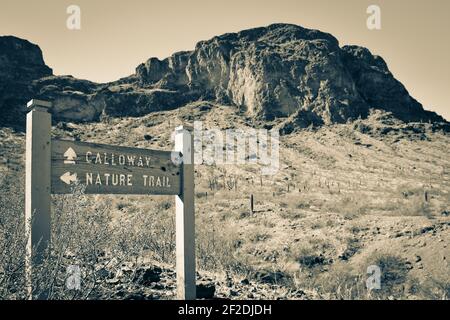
column 70, row 155
column 68, row 178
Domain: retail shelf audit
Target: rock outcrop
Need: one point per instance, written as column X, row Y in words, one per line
column 21, row 62
column 279, row 71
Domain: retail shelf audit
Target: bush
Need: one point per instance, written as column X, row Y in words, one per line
column 218, row 248
column 12, row 239
column 83, row 237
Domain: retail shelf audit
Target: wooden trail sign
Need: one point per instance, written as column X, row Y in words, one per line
column 107, row 169
column 54, row 166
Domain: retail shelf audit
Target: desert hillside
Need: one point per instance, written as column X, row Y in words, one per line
column 371, row 192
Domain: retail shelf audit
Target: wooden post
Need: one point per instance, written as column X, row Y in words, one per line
column 251, row 203
column 37, row 188
column 185, row 217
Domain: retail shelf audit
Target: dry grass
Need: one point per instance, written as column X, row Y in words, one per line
column 344, row 201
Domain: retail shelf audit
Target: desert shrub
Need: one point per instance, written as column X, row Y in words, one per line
column 344, row 282
column 430, row 289
column 156, row 231
column 394, row 274
column 414, row 201
column 78, row 238
column 217, row 248
column 311, row 261
column 12, row 238
column 352, row 247
column 414, row 206
column 350, row 207
column 83, row 237
column 340, row 283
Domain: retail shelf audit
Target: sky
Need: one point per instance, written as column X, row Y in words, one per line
column 116, row 36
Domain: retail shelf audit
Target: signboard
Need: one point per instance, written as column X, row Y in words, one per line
column 54, row 166
column 105, row 169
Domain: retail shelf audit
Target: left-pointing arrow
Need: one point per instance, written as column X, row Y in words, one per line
column 68, row 178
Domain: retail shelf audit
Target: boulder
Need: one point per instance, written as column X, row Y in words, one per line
column 148, row 275
column 206, row 290
column 270, row 277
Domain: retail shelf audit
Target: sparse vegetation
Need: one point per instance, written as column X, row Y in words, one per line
column 314, row 239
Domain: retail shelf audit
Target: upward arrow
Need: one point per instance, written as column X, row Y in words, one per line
column 70, row 156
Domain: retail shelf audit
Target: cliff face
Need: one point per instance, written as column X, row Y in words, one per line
column 20, row 63
column 21, row 60
column 277, row 71
column 283, row 70
column 270, row 72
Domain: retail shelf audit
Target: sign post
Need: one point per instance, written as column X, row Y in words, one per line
column 37, row 187
column 55, row 166
column 185, row 217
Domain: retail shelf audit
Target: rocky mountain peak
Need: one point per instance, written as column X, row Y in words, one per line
column 279, row 71
column 21, row 62
column 284, row 70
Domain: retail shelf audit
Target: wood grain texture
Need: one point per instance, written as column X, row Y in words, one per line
column 37, row 194
column 106, row 169
column 185, row 218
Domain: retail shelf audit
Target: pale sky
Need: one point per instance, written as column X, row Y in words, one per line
column 116, row 36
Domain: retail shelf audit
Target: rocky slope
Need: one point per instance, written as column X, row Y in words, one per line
column 347, row 196
column 277, row 72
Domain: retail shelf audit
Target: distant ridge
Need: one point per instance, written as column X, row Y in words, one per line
column 278, row 71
